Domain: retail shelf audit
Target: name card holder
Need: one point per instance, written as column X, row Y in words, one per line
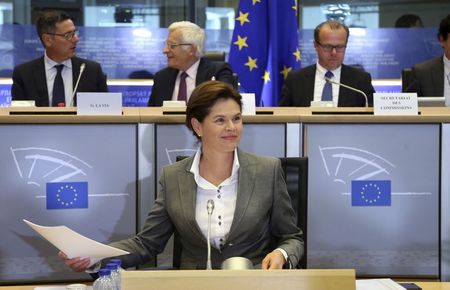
column 404, row 104
column 103, row 104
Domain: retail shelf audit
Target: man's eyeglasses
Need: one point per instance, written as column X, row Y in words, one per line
column 68, row 35
column 172, row 46
column 329, row 47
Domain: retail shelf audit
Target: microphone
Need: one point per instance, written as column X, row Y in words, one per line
column 76, row 85
column 209, row 208
column 328, row 80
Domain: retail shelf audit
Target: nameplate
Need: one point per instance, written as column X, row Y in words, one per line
column 99, row 104
column 395, row 104
column 23, row 104
column 174, row 104
column 248, row 104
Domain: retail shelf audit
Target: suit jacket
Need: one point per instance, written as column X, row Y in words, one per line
column 428, row 78
column 30, row 82
column 164, row 80
column 263, row 218
column 298, row 89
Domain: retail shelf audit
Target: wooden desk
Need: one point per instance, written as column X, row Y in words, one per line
column 424, row 285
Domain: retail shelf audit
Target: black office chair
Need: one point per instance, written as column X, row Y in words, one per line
column 220, row 56
column 408, row 83
column 214, row 55
column 296, row 174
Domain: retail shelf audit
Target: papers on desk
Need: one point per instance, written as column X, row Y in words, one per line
column 378, row 284
column 75, row 245
column 56, row 288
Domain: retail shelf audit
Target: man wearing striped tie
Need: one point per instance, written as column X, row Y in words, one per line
column 310, row 83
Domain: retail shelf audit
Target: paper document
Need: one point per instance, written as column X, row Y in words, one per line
column 56, row 288
column 75, row 245
column 378, row 284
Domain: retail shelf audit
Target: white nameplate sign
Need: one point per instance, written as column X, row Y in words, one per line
column 248, row 104
column 395, row 104
column 99, row 103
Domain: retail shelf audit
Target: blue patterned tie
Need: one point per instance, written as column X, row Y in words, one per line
column 59, row 99
column 327, row 93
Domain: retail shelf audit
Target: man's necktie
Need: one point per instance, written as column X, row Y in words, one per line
column 59, row 99
column 182, row 89
column 327, row 93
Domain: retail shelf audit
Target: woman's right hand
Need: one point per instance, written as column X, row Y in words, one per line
column 76, row 264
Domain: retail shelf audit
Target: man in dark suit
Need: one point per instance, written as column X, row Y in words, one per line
column 432, row 78
column 309, row 84
column 185, row 66
column 51, row 79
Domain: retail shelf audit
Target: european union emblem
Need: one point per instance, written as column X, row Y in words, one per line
column 61, row 195
column 371, row 192
column 264, row 47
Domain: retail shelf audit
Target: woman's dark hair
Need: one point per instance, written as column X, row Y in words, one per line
column 205, row 96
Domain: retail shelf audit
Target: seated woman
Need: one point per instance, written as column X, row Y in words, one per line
column 253, row 216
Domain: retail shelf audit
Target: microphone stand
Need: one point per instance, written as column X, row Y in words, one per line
column 350, row 88
column 209, row 208
column 76, row 85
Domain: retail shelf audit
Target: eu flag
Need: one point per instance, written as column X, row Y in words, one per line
column 264, row 47
column 61, row 195
column 371, row 192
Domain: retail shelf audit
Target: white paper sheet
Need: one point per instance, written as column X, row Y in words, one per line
column 75, row 245
column 378, row 284
column 56, row 288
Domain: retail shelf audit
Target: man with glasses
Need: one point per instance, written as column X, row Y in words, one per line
column 186, row 67
column 309, row 83
column 432, row 78
column 51, row 79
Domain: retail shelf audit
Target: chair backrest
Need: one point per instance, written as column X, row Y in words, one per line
column 214, row 55
column 296, row 175
column 407, row 80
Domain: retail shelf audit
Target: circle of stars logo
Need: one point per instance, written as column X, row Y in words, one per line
column 370, row 193
column 66, row 195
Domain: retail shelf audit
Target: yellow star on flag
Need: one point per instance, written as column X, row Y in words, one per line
column 297, row 54
column 295, row 7
column 285, row 71
column 266, row 77
column 241, row 42
column 243, row 17
column 256, row 1
column 251, row 63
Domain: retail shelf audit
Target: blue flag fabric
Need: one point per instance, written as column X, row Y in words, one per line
column 371, row 192
column 264, row 47
column 62, row 195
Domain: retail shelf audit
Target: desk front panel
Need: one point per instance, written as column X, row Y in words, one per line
column 33, row 156
column 390, row 232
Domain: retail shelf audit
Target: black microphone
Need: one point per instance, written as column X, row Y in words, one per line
column 350, row 88
column 82, row 66
column 209, row 208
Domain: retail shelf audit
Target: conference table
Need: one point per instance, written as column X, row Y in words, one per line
column 423, row 285
column 342, row 145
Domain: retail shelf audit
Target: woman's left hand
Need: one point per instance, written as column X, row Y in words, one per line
column 273, row 260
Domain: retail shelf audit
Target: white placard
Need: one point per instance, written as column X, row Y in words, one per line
column 23, row 103
column 248, row 104
column 395, row 104
column 99, row 103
